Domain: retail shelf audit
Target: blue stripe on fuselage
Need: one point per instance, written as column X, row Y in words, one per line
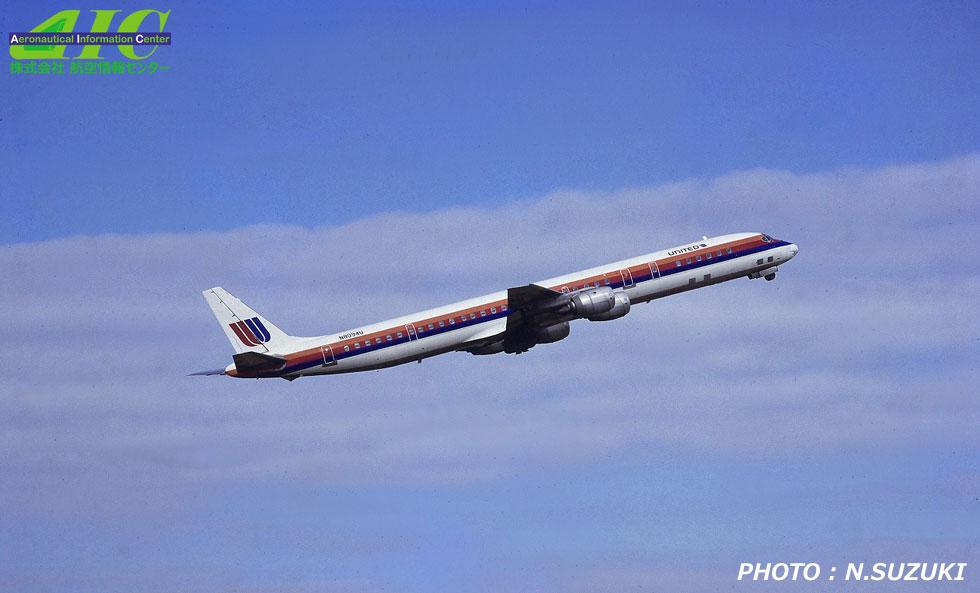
column 425, row 333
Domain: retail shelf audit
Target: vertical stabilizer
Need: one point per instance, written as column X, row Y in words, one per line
column 246, row 330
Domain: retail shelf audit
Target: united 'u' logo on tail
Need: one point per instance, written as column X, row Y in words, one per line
column 251, row 331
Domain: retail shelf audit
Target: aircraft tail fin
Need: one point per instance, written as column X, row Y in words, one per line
column 246, row 330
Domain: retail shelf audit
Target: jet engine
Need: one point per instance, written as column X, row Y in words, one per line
column 551, row 333
column 593, row 302
column 620, row 307
column 768, row 274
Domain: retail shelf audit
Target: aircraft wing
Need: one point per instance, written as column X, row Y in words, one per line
column 523, row 303
column 524, row 297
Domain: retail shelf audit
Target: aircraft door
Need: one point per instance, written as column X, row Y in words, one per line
column 328, row 357
column 410, row 330
column 627, row 278
column 654, row 270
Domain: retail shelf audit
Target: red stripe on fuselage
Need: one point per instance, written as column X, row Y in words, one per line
column 421, row 326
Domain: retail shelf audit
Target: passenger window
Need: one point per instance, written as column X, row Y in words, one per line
column 452, row 321
column 430, row 326
column 346, row 348
column 388, row 338
column 708, row 256
column 400, row 334
column 677, row 263
column 699, row 258
column 493, row 309
column 729, row 251
column 483, row 313
column 688, row 261
column 377, row 340
column 503, row 307
column 718, row 253
column 441, row 323
column 357, row 345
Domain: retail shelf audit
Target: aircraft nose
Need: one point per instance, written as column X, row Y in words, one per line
column 793, row 250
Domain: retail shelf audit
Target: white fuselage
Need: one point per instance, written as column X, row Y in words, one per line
column 459, row 325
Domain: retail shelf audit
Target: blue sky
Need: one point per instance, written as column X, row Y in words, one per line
column 393, row 159
column 323, row 114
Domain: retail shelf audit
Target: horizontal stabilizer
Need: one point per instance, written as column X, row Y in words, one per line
column 256, row 362
column 208, row 373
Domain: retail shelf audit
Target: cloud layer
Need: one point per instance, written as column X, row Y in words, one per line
column 867, row 340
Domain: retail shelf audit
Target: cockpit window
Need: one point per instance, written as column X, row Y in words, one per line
column 766, row 238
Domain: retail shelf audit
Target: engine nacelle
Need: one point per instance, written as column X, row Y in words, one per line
column 552, row 333
column 593, row 302
column 620, row 307
column 768, row 274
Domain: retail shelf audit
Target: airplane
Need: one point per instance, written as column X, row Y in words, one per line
column 511, row 321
